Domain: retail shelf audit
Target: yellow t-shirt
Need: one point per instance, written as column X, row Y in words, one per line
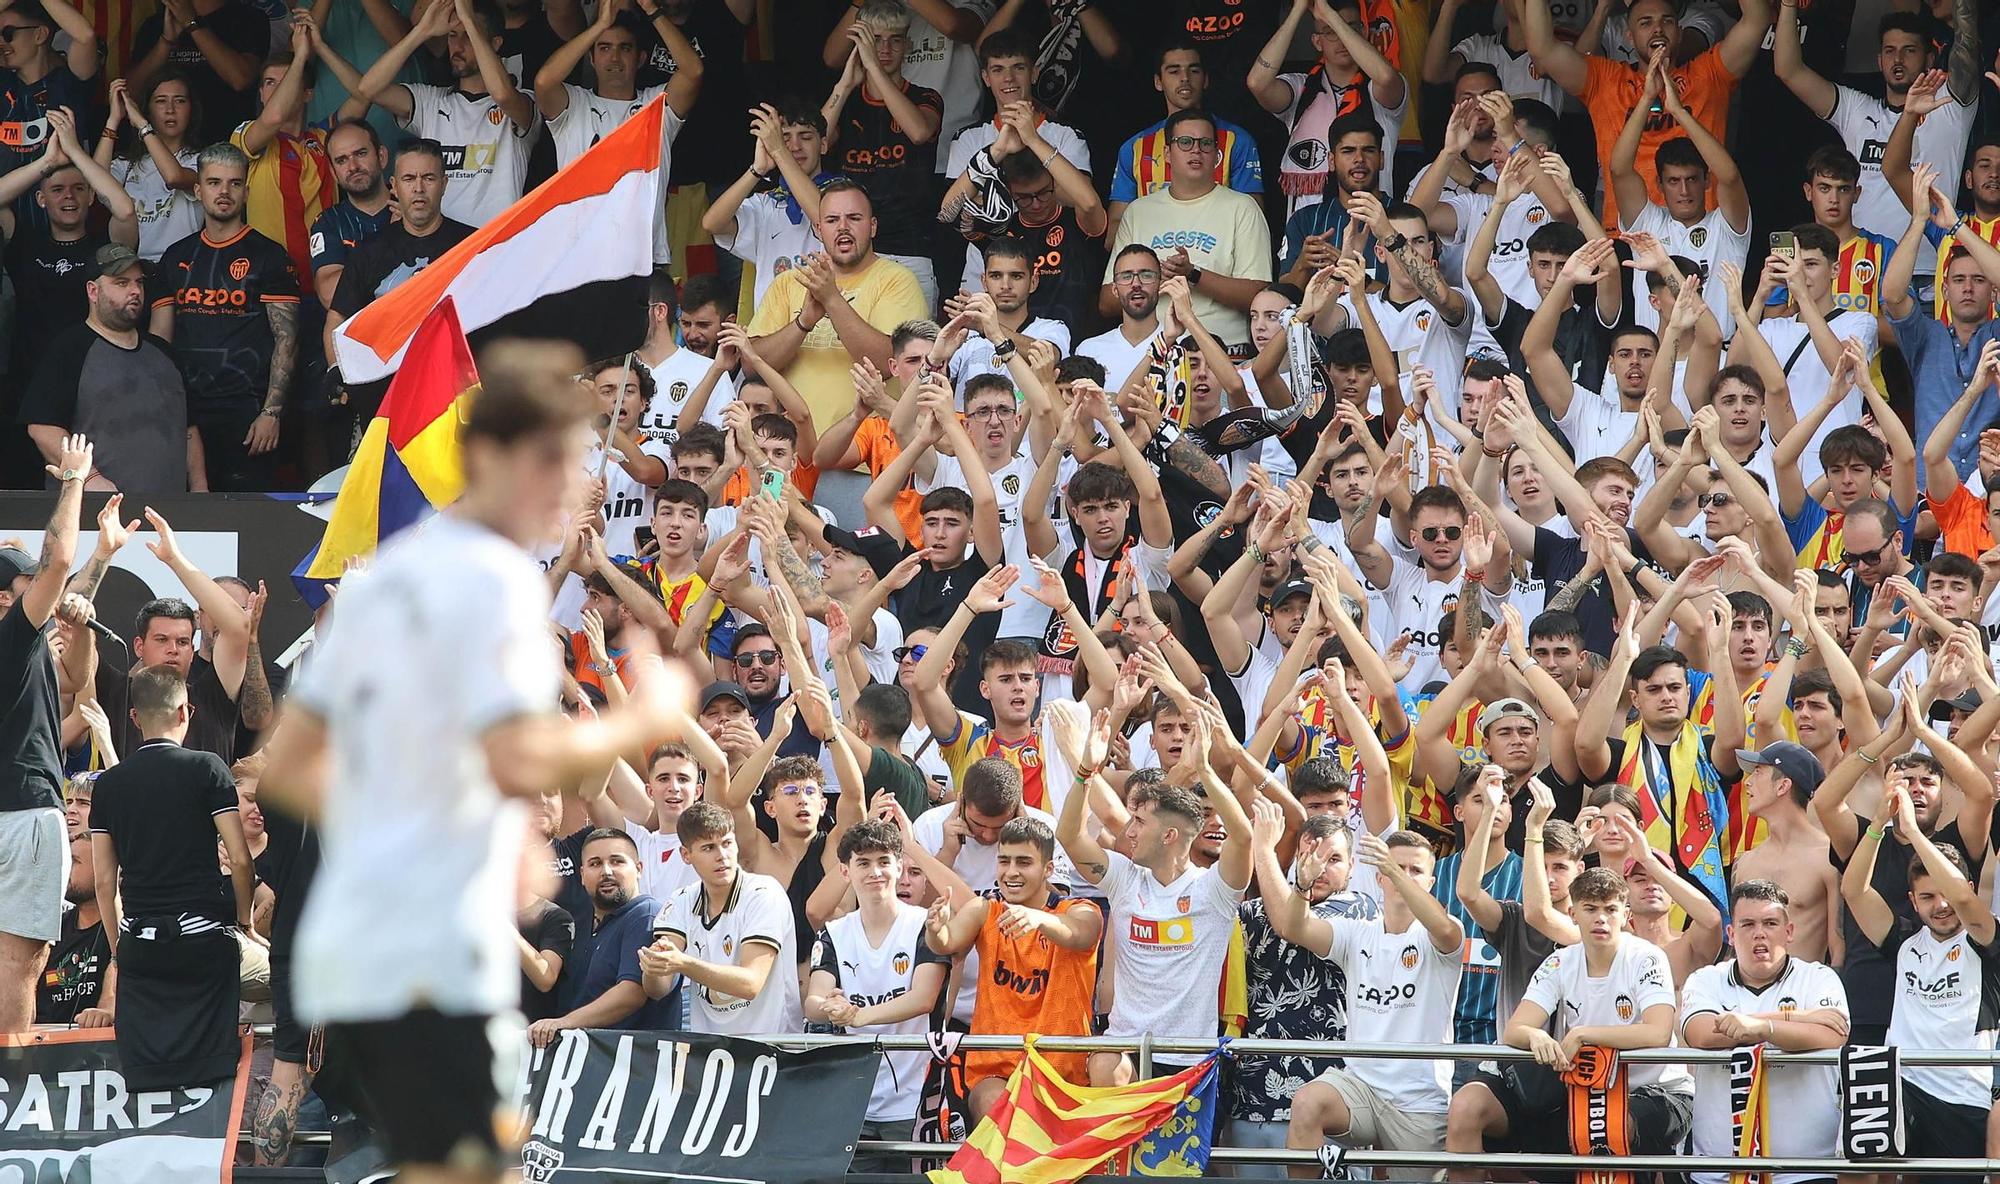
column 885, row 295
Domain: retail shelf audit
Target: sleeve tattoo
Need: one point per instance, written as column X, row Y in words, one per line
column 284, row 320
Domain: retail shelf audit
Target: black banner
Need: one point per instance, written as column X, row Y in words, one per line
column 254, row 536
column 66, row 1116
column 675, row 1105
column 1871, row 1102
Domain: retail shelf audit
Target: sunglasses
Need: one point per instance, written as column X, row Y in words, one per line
column 1869, row 558
column 1715, row 499
column 1432, row 534
column 904, row 653
column 759, row 658
column 7, row 32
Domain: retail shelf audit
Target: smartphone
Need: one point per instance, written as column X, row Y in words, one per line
column 642, row 538
column 773, row 483
column 1784, row 242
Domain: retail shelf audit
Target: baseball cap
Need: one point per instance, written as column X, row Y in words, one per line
column 724, row 690
column 15, row 562
column 115, row 259
column 1289, row 589
column 1791, row 760
column 1509, row 708
column 1967, row 701
column 871, row 543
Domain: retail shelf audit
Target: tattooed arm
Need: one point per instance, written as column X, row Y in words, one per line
column 1187, row 456
column 284, row 318
column 1963, row 64
column 253, row 699
column 111, row 536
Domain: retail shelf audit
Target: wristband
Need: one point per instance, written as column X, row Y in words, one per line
column 1004, row 350
column 1489, row 452
column 1256, row 553
column 1875, row 832
column 1531, row 838
column 1797, row 647
column 1475, row 577
column 1863, row 756
column 1083, row 776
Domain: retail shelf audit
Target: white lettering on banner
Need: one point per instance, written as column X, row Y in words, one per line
column 92, row 1100
column 709, row 1098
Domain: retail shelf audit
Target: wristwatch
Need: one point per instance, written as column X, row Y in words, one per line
column 1395, row 242
column 1194, row 277
column 71, row 475
column 1004, row 350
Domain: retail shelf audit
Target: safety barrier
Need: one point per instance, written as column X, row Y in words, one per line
column 1147, row 1047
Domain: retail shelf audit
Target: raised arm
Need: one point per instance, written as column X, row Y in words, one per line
column 1555, row 58
column 1263, row 82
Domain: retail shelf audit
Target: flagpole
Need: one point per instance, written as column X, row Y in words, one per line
column 617, row 409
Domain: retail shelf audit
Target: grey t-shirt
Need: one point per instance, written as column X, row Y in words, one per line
column 130, row 402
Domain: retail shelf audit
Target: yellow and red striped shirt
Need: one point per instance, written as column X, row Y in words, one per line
column 290, row 186
column 1986, row 228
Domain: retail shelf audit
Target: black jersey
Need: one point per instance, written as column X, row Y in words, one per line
column 222, row 337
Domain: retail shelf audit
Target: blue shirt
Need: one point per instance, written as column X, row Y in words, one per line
column 1941, row 369
column 1476, row 1020
column 614, row 959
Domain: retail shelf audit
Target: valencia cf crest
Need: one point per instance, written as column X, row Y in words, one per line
column 1054, row 238
column 1010, row 484
column 1424, row 321
column 1697, row 236
column 729, row 947
column 902, row 963
column 239, row 268
column 1184, row 903
column 1625, row 1008
column 1409, row 957
column 1864, row 271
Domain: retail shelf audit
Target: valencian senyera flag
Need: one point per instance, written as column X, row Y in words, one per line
column 1046, row 1130
column 591, row 222
column 408, row 464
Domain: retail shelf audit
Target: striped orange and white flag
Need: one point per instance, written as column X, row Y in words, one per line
column 592, row 221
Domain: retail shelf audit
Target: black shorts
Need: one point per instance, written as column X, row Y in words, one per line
column 430, row 1084
column 1937, row 1129
column 1537, row 1106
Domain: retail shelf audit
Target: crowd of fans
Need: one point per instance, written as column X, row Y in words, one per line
column 1345, row 522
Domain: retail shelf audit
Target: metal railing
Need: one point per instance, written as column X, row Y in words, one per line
column 1147, row 1047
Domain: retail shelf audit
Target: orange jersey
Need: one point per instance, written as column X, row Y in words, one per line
column 804, row 475
column 878, row 448
column 1030, row 984
column 1612, row 89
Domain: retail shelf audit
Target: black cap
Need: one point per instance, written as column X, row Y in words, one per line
column 15, row 562
column 724, row 690
column 1967, row 701
column 1289, row 589
column 1791, row 760
column 871, row 543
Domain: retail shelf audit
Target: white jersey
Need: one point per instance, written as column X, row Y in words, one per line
column 1419, row 335
column 1452, row 187
column 485, row 152
column 869, row 975
column 1518, row 75
column 411, row 812
column 975, row 356
column 1864, row 123
column 1026, row 616
column 673, row 381
column 1509, row 263
column 1805, row 1119
column 590, row 117
column 1118, row 356
column 166, row 215
column 1401, row 989
column 768, row 237
column 1807, row 376
column 1710, row 242
column 1059, row 136
column 628, row 503
column 1947, row 996
column 663, row 870
column 1596, row 425
column 758, row 912
column 1416, row 603
column 1168, row 942
column 1640, row 978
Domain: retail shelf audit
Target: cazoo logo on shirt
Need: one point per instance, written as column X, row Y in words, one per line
column 1193, row 240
